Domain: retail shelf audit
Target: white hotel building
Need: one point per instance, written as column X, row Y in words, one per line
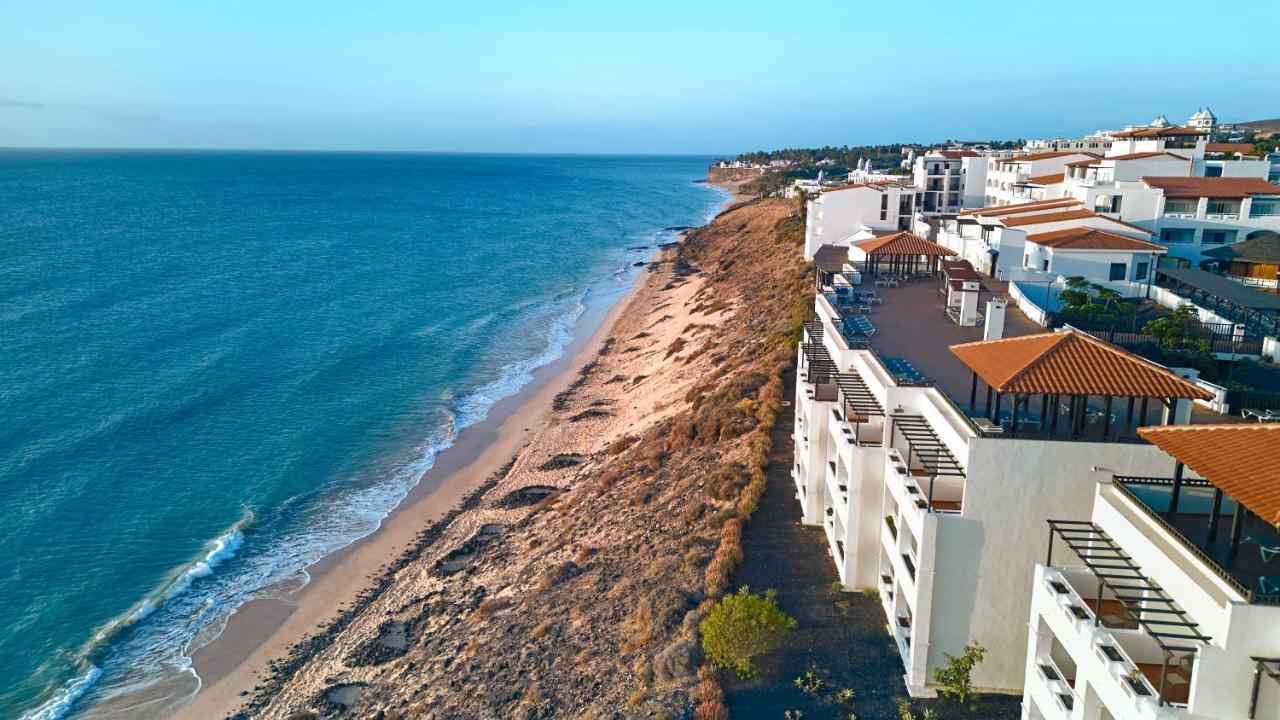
column 838, row 214
column 932, row 506
column 1165, row 602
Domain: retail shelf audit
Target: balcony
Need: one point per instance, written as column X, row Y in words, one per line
column 1112, row 617
column 1230, row 542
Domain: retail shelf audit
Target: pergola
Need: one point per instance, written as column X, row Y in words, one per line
column 1255, row 309
column 1140, row 598
column 1062, row 372
column 902, row 252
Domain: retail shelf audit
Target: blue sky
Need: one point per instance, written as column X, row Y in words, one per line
column 654, row 76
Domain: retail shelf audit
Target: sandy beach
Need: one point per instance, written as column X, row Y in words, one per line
column 264, row 629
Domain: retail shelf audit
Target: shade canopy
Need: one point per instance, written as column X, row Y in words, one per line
column 1242, row 459
column 1070, row 363
column 1265, row 249
column 903, row 244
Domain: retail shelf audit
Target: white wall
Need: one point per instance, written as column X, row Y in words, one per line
column 987, row 553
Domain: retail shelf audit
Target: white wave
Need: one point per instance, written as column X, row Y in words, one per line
column 190, row 622
column 58, row 705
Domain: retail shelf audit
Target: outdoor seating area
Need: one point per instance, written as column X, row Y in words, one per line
column 1069, row 385
column 903, row 370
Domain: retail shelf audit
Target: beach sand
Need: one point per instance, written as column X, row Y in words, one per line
column 265, row 629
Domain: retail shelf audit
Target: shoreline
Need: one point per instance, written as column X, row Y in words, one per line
column 265, row 629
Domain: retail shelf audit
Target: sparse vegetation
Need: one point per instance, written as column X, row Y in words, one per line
column 956, row 677
column 809, row 683
column 741, row 627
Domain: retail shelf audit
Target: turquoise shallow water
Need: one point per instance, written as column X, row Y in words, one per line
column 218, row 367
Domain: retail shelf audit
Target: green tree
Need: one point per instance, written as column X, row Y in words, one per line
column 1172, row 331
column 956, row 678
column 741, row 627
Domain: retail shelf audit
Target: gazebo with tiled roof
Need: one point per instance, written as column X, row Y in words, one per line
column 1063, row 372
column 902, row 252
column 1238, row 490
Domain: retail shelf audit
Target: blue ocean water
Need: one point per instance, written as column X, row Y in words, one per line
column 218, row 367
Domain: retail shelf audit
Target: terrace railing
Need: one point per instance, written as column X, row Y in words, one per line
column 1121, row 483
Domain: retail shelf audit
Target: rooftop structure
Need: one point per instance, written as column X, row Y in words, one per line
column 845, row 214
column 1253, row 262
column 1162, row 603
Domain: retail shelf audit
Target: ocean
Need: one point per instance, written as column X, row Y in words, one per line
column 219, row 367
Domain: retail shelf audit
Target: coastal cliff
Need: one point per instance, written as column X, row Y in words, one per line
column 571, row 584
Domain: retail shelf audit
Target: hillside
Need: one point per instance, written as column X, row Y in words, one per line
column 572, row 584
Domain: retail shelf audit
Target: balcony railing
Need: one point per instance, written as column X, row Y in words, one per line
column 1124, row 485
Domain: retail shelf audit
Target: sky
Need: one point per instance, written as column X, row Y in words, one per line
column 650, row 76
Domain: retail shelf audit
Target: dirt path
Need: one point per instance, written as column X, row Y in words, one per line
column 840, row 636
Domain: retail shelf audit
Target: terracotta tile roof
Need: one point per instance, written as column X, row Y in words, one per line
column 903, row 243
column 1049, row 179
column 1242, row 459
column 1020, row 207
column 1070, row 363
column 1129, row 156
column 1174, row 131
column 1087, row 238
column 1229, row 187
column 1242, row 148
column 1045, row 156
column 1078, row 214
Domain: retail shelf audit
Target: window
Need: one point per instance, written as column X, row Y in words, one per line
column 1118, row 271
column 1213, row 171
column 1219, row 237
column 1026, row 261
column 1044, row 266
column 1179, row 205
column 1140, row 271
column 1173, row 236
column 1220, row 206
column 1262, row 209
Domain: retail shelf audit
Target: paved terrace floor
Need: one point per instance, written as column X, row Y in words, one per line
column 911, row 324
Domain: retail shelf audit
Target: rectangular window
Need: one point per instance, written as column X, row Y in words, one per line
column 1118, row 271
column 1140, row 271
column 1219, row 237
column 1213, row 171
column 1262, row 209
column 1045, row 266
column 1179, row 205
column 1173, row 236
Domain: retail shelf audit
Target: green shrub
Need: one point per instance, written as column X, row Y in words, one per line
column 741, row 627
column 956, row 678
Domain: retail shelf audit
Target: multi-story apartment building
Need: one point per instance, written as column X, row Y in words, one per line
column 837, row 214
column 927, row 491
column 1006, row 175
column 940, row 175
column 1165, row 602
column 1058, row 236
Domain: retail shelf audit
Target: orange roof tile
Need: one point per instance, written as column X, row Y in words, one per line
column 1048, row 217
column 1229, row 187
column 1070, row 363
column 1242, row 148
column 1242, row 459
column 1049, row 179
column 903, row 243
column 1087, row 238
column 1020, row 207
column 1144, row 156
column 1045, row 156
